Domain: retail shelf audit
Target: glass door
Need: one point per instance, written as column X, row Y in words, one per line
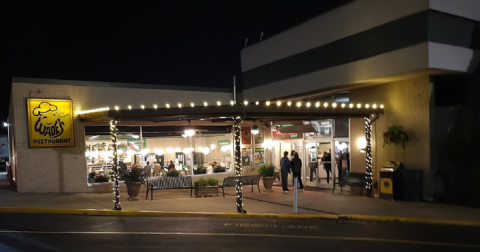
column 325, row 171
column 310, row 167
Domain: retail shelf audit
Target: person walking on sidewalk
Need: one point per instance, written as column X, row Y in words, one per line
column 296, row 165
column 285, row 169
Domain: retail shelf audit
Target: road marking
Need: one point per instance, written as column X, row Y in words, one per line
column 274, row 226
column 361, row 239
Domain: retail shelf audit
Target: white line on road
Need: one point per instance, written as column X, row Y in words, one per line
column 362, row 239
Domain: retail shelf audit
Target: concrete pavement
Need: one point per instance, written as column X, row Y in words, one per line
column 322, row 204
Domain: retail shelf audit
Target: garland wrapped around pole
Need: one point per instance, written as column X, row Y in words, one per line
column 368, row 156
column 238, row 166
column 116, row 193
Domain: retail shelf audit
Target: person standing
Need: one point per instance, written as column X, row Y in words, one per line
column 327, row 164
column 285, row 169
column 147, row 170
column 296, row 165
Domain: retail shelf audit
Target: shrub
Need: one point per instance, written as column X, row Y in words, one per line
column 174, row 173
column 200, row 170
column 132, row 175
column 206, row 182
column 217, row 169
column 267, row 170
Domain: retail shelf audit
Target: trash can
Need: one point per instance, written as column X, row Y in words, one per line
column 412, row 185
column 387, row 179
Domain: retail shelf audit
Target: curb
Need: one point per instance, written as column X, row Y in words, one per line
column 105, row 212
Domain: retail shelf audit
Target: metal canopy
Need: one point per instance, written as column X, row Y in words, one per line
column 227, row 112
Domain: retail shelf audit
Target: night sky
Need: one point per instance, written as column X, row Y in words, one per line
column 186, row 43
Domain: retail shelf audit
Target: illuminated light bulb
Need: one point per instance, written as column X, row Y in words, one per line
column 268, row 103
column 351, row 105
column 180, row 105
column 205, row 104
column 325, row 104
column 107, row 108
column 155, row 106
column 117, row 108
column 279, row 103
column 317, row 104
column 299, row 104
column 232, row 103
column 289, row 103
column 381, row 106
column 359, row 105
column 192, row 104
column 178, row 149
column 168, row 105
column 334, row 105
column 374, row 106
column 142, row 106
column 308, row 104
column 256, row 103
column 367, row 106
column 129, row 107
column 219, row 103
column 343, row 105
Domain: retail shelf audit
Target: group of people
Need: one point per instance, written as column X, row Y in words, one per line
column 293, row 165
column 157, row 169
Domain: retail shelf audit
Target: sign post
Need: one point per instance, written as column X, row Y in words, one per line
column 295, row 194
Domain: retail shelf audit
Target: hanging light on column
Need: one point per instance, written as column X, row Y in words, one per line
column 255, row 130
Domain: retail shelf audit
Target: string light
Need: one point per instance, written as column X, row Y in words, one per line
column 93, row 110
column 129, row 107
column 256, row 103
column 180, row 105
column 192, row 104
column 116, row 193
column 317, row 104
column 325, row 104
column 117, row 108
column 308, row 104
column 368, row 155
column 343, row 105
column 367, row 106
column 205, row 104
column 219, row 103
column 267, row 103
column 245, row 102
column 374, row 106
column 351, row 105
column 142, row 106
column 359, row 105
column 167, row 105
column 232, row 103
column 155, row 106
column 381, row 106
column 334, row 105
column 299, row 104
column 238, row 166
column 289, row 103
column 279, row 103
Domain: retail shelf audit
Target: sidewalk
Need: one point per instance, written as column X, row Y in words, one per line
column 310, row 203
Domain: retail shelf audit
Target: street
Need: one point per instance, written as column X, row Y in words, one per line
column 113, row 233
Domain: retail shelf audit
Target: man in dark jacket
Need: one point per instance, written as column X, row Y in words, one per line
column 285, row 169
column 296, row 165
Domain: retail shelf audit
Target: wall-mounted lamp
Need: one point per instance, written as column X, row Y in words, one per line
column 255, row 130
column 362, row 144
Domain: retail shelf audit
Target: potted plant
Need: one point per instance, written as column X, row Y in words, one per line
column 133, row 178
column 206, row 187
column 267, row 172
column 200, row 170
column 396, row 135
column 101, row 178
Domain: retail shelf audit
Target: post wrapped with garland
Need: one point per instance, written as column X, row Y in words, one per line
column 238, row 166
column 368, row 156
column 113, row 135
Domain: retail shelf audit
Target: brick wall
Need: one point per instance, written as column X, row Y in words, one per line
column 64, row 169
column 406, row 103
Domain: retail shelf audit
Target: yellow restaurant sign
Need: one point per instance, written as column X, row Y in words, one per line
column 50, row 123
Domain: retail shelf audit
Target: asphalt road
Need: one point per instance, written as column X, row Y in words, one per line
column 209, row 234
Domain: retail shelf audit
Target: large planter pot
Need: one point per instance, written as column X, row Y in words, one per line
column 268, row 183
column 133, row 189
column 206, row 191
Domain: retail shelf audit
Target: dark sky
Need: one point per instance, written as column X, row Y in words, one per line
column 190, row 43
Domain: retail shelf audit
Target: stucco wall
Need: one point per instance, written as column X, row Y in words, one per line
column 406, row 103
column 64, row 169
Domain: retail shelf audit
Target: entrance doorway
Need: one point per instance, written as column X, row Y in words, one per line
column 318, row 168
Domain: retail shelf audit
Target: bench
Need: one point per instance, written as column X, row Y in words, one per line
column 167, row 183
column 246, row 180
column 351, row 179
